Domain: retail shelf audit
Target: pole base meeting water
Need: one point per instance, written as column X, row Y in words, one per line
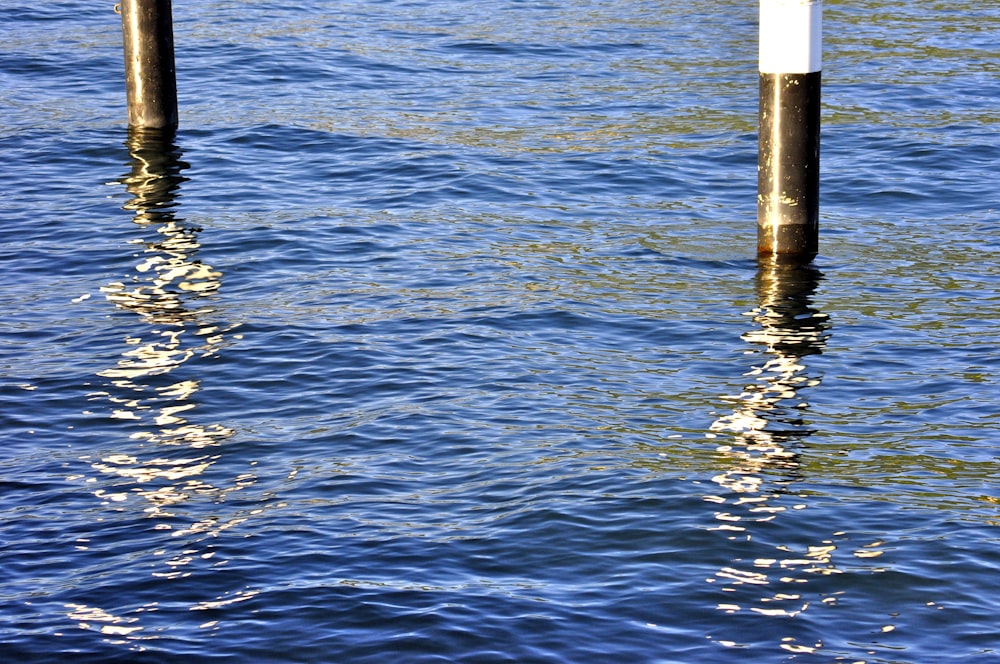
column 150, row 79
column 788, row 148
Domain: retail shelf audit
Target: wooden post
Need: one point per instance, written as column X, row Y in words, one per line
column 788, row 150
column 148, row 33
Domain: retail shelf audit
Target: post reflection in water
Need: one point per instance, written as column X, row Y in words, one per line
column 768, row 418
column 161, row 470
column 760, row 447
column 155, row 382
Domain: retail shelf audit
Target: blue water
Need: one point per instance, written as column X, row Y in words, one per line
column 436, row 334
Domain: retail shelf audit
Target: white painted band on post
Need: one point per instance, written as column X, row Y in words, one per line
column 791, row 36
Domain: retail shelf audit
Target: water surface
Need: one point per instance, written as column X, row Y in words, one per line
column 436, row 334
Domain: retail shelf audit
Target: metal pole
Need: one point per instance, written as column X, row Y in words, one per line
column 788, row 150
column 147, row 29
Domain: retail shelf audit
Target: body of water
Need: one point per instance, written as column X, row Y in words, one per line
column 435, row 334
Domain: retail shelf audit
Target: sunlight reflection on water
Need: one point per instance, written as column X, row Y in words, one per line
column 430, row 344
column 170, row 292
column 765, row 434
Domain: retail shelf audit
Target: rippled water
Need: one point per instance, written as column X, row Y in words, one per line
column 435, row 334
